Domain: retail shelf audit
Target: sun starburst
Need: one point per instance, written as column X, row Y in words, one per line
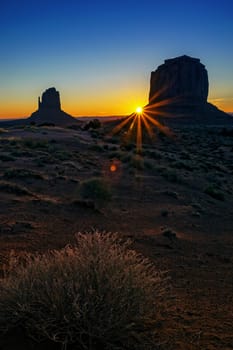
column 139, row 124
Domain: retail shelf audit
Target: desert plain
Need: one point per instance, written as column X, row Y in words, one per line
column 173, row 198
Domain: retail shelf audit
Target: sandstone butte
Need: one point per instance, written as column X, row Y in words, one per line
column 179, row 91
column 49, row 110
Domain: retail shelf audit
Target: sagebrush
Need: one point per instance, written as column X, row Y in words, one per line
column 98, row 294
column 95, row 189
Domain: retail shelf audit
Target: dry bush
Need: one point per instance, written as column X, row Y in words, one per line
column 22, row 173
column 214, row 193
column 13, row 188
column 6, row 158
column 98, row 294
column 95, row 189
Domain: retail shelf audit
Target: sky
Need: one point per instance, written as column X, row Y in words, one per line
column 99, row 54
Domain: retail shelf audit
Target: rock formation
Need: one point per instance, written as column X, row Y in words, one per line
column 179, row 88
column 49, row 110
column 50, row 100
column 183, row 77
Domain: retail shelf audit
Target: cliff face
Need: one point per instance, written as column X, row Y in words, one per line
column 50, row 100
column 179, row 91
column 49, row 110
column 183, row 78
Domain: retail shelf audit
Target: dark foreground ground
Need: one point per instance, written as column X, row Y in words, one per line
column 175, row 201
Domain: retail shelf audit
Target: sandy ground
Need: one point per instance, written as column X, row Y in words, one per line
column 175, row 201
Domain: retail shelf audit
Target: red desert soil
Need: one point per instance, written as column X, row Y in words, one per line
column 175, row 201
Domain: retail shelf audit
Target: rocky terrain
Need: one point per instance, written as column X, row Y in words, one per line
column 174, row 199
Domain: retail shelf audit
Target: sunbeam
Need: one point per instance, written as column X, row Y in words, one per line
column 143, row 122
column 139, row 133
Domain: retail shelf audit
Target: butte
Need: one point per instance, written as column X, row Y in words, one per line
column 49, row 110
column 178, row 94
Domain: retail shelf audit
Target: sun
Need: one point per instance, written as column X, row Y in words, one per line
column 139, row 110
column 137, row 125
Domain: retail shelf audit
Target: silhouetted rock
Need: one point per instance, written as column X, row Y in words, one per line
column 179, row 92
column 49, row 110
column 92, row 124
column 50, row 100
column 183, row 77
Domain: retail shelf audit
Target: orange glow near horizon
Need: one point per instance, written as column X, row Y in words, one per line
column 225, row 104
column 98, row 107
column 81, row 111
column 76, row 103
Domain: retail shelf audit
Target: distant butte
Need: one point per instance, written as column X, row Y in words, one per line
column 179, row 91
column 49, row 110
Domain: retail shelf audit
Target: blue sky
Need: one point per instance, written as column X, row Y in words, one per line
column 99, row 54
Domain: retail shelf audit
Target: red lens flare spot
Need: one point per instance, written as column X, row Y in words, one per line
column 113, row 168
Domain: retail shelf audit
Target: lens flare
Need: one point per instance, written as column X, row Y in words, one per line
column 113, row 168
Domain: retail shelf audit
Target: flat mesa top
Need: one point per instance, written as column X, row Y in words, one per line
column 182, row 58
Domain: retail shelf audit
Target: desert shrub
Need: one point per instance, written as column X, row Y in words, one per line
column 96, row 147
column 52, row 141
column 197, row 206
column 127, row 146
column 169, row 233
column 160, row 169
column 113, row 140
column 12, row 141
column 22, row 173
column 35, row 144
column 171, row 194
column 30, row 128
column 74, row 127
column 164, row 212
column 182, row 165
column 153, row 154
column 214, row 193
column 98, row 294
column 62, row 155
column 126, row 158
column 14, row 189
column 21, row 153
column 226, row 132
column 113, row 148
column 95, row 189
column 92, row 124
column 137, row 162
column 185, row 155
column 6, row 158
column 120, row 155
column 170, row 175
column 94, row 134
column 148, row 164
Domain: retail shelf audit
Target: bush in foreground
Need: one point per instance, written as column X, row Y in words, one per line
column 95, row 189
column 214, row 193
column 96, row 295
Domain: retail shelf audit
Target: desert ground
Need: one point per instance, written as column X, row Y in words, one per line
column 173, row 199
